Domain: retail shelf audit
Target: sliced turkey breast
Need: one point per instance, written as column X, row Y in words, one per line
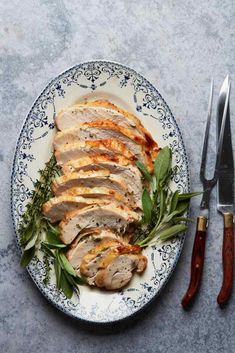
column 82, row 113
column 97, row 178
column 119, row 271
column 89, row 241
column 92, row 147
column 98, row 230
column 94, row 162
column 111, row 216
column 105, row 130
column 111, row 265
column 95, row 130
column 129, row 116
column 102, row 193
column 130, row 174
column 90, row 262
column 56, row 207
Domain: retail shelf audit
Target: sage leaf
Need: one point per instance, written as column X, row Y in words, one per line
column 154, row 184
column 172, row 231
column 189, row 195
column 182, row 207
column 162, row 165
column 174, row 201
column 66, row 286
column 70, row 279
column 57, row 271
column 66, row 264
column 52, row 238
column 27, row 234
column 147, row 205
column 162, row 204
column 27, row 257
column 54, row 229
column 144, row 171
column 79, row 280
column 47, row 250
column 75, row 281
column 55, row 246
column 168, row 217
column 31, row 243
column 182, row 219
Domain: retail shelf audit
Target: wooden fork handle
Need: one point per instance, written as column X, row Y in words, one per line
column 197, row 262
column 228, row 259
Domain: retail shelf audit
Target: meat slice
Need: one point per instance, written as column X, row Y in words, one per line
column 131, row 192
column 95, row 130
column 90, row 262
column 130, row 174
column 102, row 193
column 102, row 110
column 94, row 162
column 119, row 271
column 57, row 207
column 111, row 265
column 82, row 113
column 79, row 248
column 112, row 216
column 98, row 230
column 92, row 147
column 129, row 116
column 104, row 130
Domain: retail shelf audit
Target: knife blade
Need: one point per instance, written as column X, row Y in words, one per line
column 225, row 196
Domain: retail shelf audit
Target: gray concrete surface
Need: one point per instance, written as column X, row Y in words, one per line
column 178, row 46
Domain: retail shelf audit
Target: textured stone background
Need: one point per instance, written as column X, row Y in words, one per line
column 178, row 46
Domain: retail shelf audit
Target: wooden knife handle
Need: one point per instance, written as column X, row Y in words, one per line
column 197, row 262
column 228, row 259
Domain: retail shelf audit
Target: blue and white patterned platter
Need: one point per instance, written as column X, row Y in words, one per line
column 123, row 86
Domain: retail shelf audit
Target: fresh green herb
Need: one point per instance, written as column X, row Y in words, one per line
column 33, row 224
column 144, row 171
column 27, row 257
column 188, row 196
column 47, row 268
column 66, row 277
column 162, row 166
column 147, row 205
column 36, row 230
column 65, row 285
column 172, row 231
column 163, row 209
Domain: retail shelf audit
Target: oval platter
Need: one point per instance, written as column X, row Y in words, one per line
column 125, row 87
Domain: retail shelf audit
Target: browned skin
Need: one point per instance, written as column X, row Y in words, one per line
column 106, row 104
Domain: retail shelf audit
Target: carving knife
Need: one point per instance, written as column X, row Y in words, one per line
column 225, row 196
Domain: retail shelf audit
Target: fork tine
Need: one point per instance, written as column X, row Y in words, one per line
column 206, row 137
column 221, row 136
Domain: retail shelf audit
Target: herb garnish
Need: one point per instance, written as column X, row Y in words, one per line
column 35, row 230
column 163, row 209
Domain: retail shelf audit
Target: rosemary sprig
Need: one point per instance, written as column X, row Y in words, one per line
column 36, row 230
column 163, row 209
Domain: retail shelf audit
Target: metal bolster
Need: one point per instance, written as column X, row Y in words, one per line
column 202, row 223
column 228, row 220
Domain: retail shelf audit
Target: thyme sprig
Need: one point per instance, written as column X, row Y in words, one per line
column 33, row 225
